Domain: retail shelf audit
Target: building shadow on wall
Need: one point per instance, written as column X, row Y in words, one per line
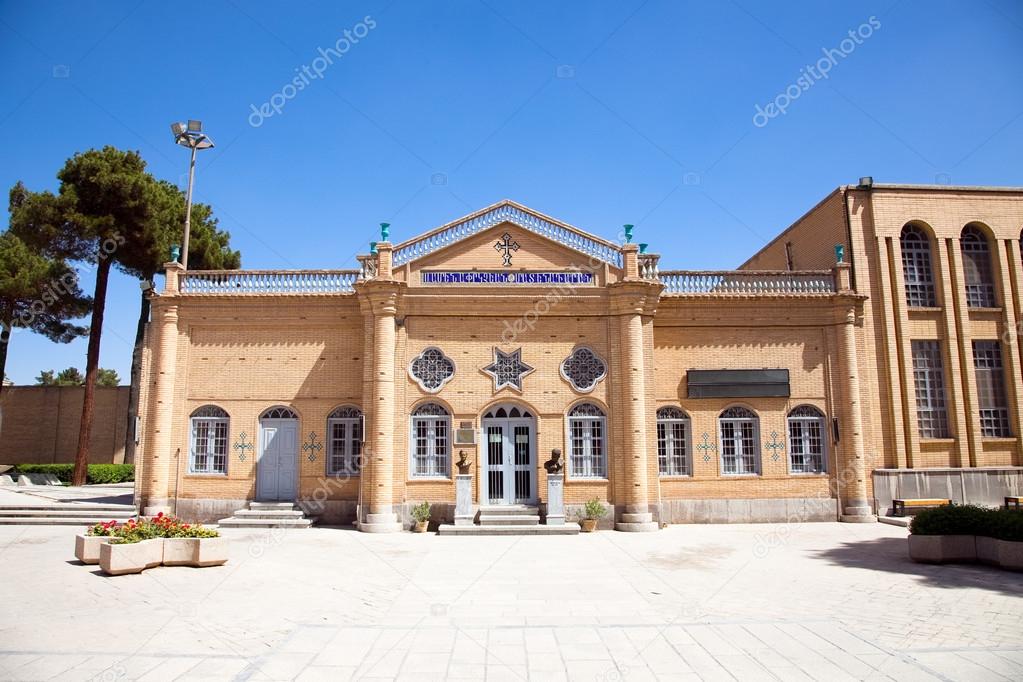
column 891, row 555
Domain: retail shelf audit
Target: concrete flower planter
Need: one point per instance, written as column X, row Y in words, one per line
column 987, row 550
column 940, row 549
column 198, row 552
column 121, row 558
column 1010, row 555
column 87, row 547
column 944, row 549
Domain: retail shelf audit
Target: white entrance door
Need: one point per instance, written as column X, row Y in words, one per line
column 277, row 467
column 509, row 475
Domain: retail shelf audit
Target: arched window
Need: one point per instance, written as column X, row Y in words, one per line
column 672, row 442
column 806, row 441
column 740, row 441
column 586, row 436
column 279, row 413
column 916, row 268
column 430, row 446
column 208, row 453
column 344, row 433
column 980, row 285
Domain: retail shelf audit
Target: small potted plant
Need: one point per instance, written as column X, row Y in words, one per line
column 593, row 511
column 421, row 513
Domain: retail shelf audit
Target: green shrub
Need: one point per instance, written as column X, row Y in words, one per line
column 97, row 473
column 594, row 509
column 421, row 512
column 967, row 519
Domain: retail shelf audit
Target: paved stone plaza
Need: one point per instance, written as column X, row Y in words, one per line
column 821, row 601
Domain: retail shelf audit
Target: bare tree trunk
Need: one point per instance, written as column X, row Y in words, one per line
column 5, row 340
column 136, row 380
column 91, row 370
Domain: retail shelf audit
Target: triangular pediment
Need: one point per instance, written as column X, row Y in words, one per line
column 471, row 241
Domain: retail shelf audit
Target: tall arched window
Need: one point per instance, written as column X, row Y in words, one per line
column 672, row 442
column 586, row 437
column 980, row 284
column 344, row 433
column 916, row 268
column 431, row 443
column 740, row 441
column 208, row 452
column 806, row 441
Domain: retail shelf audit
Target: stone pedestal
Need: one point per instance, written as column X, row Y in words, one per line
column 463, row 500
column 555, row 499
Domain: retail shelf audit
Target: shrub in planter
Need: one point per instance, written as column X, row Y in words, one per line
column 593, row 511
column 953, row 519
column 421, row 513
column 179, row 544
column 968, row 533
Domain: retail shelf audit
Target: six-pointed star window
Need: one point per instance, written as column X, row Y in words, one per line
column 507, row 369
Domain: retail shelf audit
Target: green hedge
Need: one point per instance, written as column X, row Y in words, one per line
column 98, row 473
column 967, row 519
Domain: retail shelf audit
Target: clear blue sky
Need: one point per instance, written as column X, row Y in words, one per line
column 469, row 92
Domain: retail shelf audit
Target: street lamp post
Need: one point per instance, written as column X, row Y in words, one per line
column 191, row 136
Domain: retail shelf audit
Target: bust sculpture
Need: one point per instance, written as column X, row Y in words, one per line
column 554, row 465
column 463, row 462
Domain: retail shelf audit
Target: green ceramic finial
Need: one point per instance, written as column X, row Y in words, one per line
column 839, row 253
column 643, row 247
column 628, row 233
column 373, row 247
column 175, row 253
column 385, row 231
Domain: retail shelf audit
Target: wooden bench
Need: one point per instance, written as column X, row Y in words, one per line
column 1012, row 501
column 899, row 506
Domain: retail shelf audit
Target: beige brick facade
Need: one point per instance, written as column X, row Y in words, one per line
column 312, row 342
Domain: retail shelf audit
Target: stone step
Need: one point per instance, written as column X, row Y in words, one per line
column 509, row 510
column 509, row 520
column 234, row 522
column 71, row 506
column 269, row 514
column 62, row 513
column 902, row 521
column 271, row 505
column 567, row 529
column 52, row 520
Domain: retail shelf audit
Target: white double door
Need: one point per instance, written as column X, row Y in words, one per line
column 509, row 474
column 277, row 468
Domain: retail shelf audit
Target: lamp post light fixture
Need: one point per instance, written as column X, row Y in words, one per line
column 190, row 135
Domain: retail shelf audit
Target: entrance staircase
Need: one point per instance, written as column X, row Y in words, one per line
column 511, row 519
column 65, row 514
column 268, row 515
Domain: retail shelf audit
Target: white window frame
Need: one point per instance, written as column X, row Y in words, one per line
column 668, row 442
column 350, row 444
column 806, row 440
column 917, row 268
column 740, row 452
column 595, row 468
column 993, row 404
column 214, row 418
column 929, row 392
column 437, row 459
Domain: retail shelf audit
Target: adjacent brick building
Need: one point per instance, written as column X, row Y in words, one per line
column 794, row 388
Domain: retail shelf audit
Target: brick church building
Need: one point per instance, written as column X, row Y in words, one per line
column 870, row 351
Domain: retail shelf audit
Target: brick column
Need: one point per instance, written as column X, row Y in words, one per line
column 853, row 476
column 159, row 456
column 378, row 489
column 630, row 305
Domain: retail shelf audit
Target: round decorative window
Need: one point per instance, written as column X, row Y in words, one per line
column 583, row 369
column 431, row 369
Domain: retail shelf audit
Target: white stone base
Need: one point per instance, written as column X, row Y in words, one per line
column 380, row 523
column 637, row 523
column 859, row 518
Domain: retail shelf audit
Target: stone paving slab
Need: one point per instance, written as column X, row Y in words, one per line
column 793, row 602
